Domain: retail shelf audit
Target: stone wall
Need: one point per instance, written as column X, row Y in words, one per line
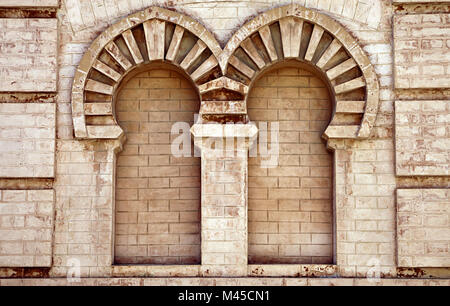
column 157, row 194
column 27, row 140
column 388, row 186
column 423, row 229
column 422, row 50
column 26, row 228
column 28, row 58
column 422, row 138
column 290, row 205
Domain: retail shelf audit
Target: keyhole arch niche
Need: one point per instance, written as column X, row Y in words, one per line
column 157, row 193
column 138, row 79
column 291, row 202
column 223, row 79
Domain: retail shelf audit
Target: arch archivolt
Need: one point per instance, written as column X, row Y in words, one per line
column 152, row 35
column 223, row 76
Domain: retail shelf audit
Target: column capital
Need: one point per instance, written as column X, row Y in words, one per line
column 215, row 130
column 205, row 135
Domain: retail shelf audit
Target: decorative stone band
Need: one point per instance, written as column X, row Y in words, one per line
column 280, row 35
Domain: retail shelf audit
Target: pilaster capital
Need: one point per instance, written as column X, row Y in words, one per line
column 241, row 135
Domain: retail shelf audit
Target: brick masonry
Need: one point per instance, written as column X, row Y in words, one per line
column 366, row 172
column 250, row 282
column 26, row 228
column 365, row 207
column 422, row 138
column 422, row 50
column 222, row 16
column 423, row 227
column 27, row 140
column 290, row 205
column 157, row 194
column 83, row 207
column 28, row 53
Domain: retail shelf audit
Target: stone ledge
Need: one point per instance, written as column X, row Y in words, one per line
column 224, row 130
column 205, row 271
column 223, row 282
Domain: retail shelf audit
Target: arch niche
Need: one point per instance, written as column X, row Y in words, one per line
column 295, row 33
column 292, row 36
column 223, row 77
column 152, row 36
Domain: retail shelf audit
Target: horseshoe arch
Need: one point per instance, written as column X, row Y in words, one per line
column 223, row 77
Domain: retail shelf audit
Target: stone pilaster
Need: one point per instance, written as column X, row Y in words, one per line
column 224, row 234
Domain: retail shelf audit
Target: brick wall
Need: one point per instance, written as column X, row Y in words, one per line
column 224, row 226
column 422, row 50
column 27, row 140
column 28, row 54
column 83, row 207
column 422, row 138
column 365, row 170
column 224, row 17
column 423, row 227
column 26, row 228
column 157, row 194
column 290, row 206
column 365, row 207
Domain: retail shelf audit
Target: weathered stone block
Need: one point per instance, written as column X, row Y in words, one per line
column 28, row 54
column 27, row 140
column 422, row 55
column 423, row 227
column 26, row 228
column 422, row 138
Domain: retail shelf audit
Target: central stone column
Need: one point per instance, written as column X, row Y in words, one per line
column 224, row 233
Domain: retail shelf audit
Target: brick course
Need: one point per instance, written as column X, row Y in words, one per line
column 29, row 3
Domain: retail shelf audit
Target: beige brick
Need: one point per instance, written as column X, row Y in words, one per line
column 420, row 50
column 283, row 194
column 423, row 236
column 156, row 191
column 27, row 236
column 33, row 69
column 30, row 3
column 422, row 145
